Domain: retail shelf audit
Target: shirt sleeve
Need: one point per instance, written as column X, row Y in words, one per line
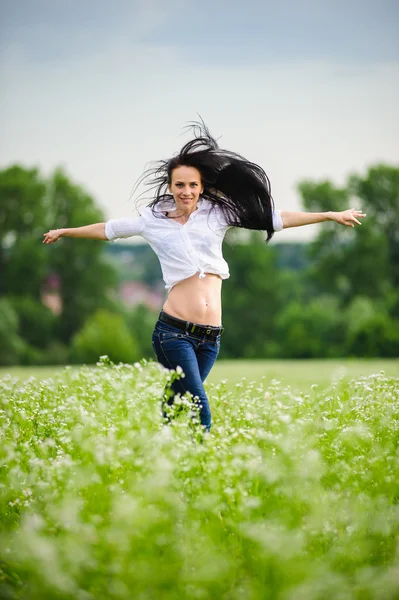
column 277, row 220
column 123, row 228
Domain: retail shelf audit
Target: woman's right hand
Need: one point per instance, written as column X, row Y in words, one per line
column 52, row 236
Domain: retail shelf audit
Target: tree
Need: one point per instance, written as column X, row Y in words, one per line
column 29, row 206
column 370, row 330
column 350, row 261
column 104, row 333
column 22, row 219
column 311, row 330
column 254, row 298
column 379, row 192
column 85, row 276
column 140, row 322
column 36, row 322
column 11, row 344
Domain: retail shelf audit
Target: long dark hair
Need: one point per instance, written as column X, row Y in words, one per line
column 239, row 187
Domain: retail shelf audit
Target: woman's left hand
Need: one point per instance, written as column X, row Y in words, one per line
column 348, row 217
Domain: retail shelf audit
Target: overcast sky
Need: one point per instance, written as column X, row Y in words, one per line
column 306, row 88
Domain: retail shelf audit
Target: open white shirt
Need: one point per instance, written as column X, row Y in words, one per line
column 182, row 250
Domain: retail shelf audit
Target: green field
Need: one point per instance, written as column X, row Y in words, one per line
column 293, row 496
column 296, row 373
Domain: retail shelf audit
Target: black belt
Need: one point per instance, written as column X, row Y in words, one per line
column 190, row 327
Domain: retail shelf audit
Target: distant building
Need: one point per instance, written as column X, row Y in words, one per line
column 131, row 293
column 50, row 295
column 53, row 302
column 137, row 292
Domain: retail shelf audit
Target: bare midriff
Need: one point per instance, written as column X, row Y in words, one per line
column 198, row 300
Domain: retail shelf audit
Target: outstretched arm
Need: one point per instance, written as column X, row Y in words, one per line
column 92, row 232
column 297, row 219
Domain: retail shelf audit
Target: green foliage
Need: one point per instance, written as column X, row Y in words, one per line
column 140, row 322
column 311, row 330
column 84, row 273
column 323, row 196
column 22, row 219
column 370, row 330
column 292, row 496
column 36, row 322
column 252, row 299
column 26, row 334
column 26, row 266
column 12, row 345
column 364, row 260
column 22, row 204
column 29, row 206
column 379, row 192
column 104, row 333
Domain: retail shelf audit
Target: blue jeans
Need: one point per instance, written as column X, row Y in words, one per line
column 195, row 354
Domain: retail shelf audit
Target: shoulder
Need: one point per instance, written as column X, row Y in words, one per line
column 220, row 215
column 153, row 212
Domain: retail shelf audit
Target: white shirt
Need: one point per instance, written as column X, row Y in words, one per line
column 182, row 250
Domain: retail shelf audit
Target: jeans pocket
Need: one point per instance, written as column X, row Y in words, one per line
column 165, row 336
column 217, row 343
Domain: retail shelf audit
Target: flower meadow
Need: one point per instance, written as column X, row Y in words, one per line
column 293, row 495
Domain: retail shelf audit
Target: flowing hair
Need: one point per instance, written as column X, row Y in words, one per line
column 239, row 187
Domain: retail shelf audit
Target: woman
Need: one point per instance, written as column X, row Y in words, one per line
column 198, row 195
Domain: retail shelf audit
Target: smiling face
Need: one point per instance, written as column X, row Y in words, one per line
column 186, row 187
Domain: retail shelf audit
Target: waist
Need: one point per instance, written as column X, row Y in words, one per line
column 189, row 327
column 196, row 300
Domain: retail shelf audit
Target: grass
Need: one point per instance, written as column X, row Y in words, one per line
column 300, row 374
column 293, row 496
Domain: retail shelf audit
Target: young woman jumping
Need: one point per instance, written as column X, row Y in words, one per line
column 197, row 196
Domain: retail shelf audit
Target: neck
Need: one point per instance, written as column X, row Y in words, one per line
column 186, row 212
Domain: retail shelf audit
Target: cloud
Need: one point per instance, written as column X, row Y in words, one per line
column 209, row 32
column 47, row 31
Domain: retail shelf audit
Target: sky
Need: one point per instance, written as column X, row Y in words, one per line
column 307, row 89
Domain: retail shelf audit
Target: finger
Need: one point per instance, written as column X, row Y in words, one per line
column 356, row 221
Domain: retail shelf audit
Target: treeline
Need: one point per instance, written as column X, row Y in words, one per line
column 338, row 296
